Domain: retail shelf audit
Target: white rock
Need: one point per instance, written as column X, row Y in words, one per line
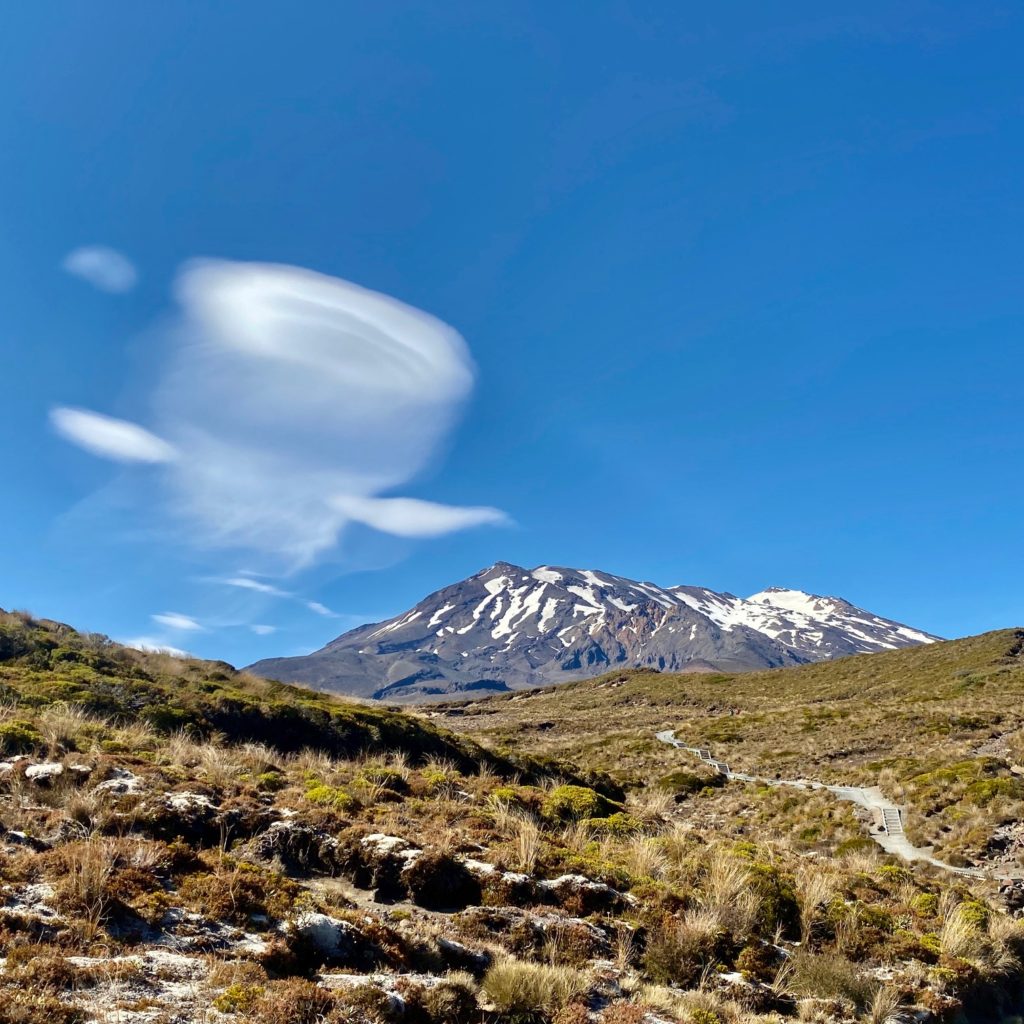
column 46, row 770
column 121, row 782
column 386, row 844
column 479, row 867
column 395, row 846
column 515, row 878
column 329, row 936
column 188, row 801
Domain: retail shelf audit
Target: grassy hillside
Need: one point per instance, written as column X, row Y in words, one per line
column 49, row 666
column 939, row 727
column 182, row 842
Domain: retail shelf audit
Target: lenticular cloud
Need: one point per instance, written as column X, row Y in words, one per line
column 292, row 396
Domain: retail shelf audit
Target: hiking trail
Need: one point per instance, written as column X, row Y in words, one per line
column 888, row 830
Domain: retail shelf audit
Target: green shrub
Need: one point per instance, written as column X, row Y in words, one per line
column 270, row 782
column 380, row 775
column 574, row 803
column 330, row 796
column 925, row 903
column 504, row 795
column 19, row 737
column 759, row 962
column 618, row 824
column 685, row 783
column 238, row 998
column 973, row 913
column 778, row 906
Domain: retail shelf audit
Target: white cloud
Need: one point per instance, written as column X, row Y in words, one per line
column 103, row 267
column 110, row 438
column 175, row 620
column 154, row 645
column 321, row 609
column 410, row 517
column 262, row 630
column 245, row 583
column 287, row 388
column 259, row 587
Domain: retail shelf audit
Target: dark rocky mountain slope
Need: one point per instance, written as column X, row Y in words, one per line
column 509, row 627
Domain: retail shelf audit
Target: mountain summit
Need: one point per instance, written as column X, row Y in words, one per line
column 508, row 627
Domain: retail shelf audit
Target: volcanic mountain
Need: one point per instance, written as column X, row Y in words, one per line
column 508, row 627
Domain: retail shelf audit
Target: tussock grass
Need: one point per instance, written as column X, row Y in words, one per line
column 516, row 986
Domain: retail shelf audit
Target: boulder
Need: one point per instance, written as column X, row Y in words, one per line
column 581, row 895
column 44, row 773
column 120, row 782
column 300, row 848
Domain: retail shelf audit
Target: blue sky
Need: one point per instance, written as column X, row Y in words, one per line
column 740, row 292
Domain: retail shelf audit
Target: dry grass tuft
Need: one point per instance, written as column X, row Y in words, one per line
column 643, row 857
column 526, row 844
column 517, row 986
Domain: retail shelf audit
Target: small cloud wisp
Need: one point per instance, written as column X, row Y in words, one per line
column 259, row 587
column 102, row 267
column 175, row 620
column 110, row 438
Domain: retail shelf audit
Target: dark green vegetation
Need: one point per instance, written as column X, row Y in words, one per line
column 182, row 842
column 45, row 664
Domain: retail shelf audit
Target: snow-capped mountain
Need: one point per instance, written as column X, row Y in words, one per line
column 509, row 627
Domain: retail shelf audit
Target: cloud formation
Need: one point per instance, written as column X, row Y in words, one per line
column 290, row 403
column 103, row 267
column 248, row 583
column 175, row 620
column 110, row 438
column 410, row 517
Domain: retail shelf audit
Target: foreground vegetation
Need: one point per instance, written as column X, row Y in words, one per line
column 181, row 842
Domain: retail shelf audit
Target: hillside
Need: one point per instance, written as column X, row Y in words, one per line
column 939, row 727
column 508, row 627
column 181, row 842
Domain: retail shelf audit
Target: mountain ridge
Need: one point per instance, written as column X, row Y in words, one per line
column 507, row 627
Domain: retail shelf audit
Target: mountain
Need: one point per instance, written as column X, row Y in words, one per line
column 508, row 627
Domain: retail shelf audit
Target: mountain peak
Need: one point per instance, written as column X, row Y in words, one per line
column 509, row 627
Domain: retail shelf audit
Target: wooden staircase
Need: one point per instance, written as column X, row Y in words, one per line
column 892, row 821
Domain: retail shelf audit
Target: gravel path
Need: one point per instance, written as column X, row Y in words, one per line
column 888, row 831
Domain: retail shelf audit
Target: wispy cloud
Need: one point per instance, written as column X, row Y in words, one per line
column 103, row 267
column 175, row 620
column 259, row 587
column 292, row 401
column 110, row 438
column 245, row 583
column 320, row 609
column 410, row 517
column 260, row 629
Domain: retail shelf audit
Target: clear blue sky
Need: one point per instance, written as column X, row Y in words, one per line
column 742, row 285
